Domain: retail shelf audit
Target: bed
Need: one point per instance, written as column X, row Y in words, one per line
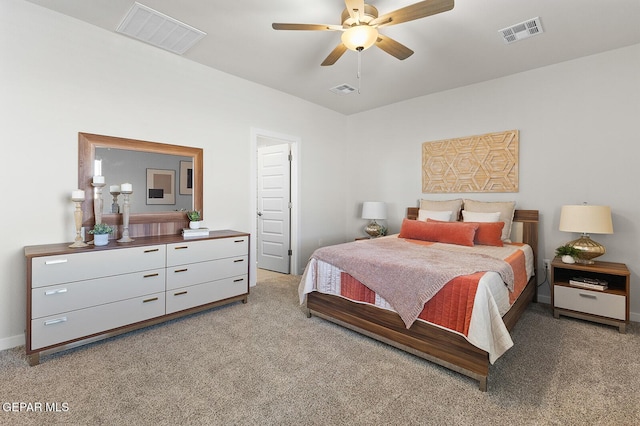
column 448, row 347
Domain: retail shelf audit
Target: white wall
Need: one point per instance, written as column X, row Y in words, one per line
column 579, row 142
column 59, row 76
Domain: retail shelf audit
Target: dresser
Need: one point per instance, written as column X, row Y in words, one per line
column 77, row 295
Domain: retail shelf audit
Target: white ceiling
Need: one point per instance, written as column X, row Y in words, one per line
column 452, row 49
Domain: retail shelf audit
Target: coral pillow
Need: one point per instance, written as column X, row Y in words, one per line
column 489, row 233
column 459, row 233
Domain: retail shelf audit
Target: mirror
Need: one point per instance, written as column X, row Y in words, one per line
column 162, row 182
column 141, row 163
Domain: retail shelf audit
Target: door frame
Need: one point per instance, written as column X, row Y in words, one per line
column 294, row 144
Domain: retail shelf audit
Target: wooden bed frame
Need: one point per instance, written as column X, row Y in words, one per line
column 427, row 341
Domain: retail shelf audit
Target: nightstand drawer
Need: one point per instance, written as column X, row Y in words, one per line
column 590, row 302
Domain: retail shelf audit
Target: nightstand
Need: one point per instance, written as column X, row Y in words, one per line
column 609, row 306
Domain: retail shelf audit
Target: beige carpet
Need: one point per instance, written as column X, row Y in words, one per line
column 265, row 363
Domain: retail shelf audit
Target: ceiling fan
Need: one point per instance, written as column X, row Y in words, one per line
column 360, row 23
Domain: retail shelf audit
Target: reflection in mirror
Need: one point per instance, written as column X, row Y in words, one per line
column 158, row 183
column 166, row 180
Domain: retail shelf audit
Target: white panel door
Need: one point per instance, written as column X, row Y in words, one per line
column 274, row 208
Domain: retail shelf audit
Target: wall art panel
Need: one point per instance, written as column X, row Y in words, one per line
column 480, row 163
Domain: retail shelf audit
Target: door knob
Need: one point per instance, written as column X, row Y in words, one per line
column 259, row 213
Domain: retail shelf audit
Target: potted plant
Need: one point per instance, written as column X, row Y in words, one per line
column 101, row 233
column 568, row 254
column 194, row 219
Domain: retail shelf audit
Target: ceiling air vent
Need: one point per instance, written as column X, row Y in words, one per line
column 343, row 89
column 521, row 31
column 153, row 27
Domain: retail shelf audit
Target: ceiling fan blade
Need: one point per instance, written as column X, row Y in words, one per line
column 334, row 55
column 415, row 11
column 356, row 9
column 306, row 27
column 393, row 48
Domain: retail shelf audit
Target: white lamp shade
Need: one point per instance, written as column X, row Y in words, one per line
column 586, row 219
column 374, row 210
column 358, row 36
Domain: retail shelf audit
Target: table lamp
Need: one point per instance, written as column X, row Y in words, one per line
column 586, row 219
column 374, row 210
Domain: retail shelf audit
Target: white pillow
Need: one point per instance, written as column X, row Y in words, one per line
column 453, row 206
column 468, row 216
column 444, row 216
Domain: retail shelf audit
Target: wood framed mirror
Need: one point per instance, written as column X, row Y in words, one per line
column 159, row 219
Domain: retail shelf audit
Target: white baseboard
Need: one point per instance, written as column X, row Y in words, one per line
column 11, row 342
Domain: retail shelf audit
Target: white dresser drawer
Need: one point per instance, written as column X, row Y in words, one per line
column 590, row 302
column 55, row 299
column 203, row 250
column 196, row 273
column 200, row 294
column 84, row 322
column 49, row 270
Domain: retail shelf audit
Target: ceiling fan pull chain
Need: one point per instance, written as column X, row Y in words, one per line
column 359, row 68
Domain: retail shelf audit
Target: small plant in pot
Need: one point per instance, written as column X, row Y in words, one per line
column 194, row 219
column 101, row 233
column 568, row 254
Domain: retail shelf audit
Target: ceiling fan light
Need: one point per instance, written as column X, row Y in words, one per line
column 359, row 37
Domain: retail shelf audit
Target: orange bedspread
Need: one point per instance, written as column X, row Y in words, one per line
column 452, row 306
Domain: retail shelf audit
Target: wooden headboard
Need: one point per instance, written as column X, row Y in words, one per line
column 528, row 218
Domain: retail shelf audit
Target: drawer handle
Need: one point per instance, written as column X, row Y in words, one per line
column 150, row 300
column 238, row 280
column 55, row 321
column 56, row 291
column 151, row 250
column 181, row 270
column 181, row 247
column 588, row 296
column 239, row 241
column 180, row 293
column 238, row 260
column 53, row 262
column 151, row 275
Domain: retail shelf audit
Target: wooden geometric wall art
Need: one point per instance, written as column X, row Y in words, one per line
column 480, row 163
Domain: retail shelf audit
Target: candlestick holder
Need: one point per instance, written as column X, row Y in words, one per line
column 125, row 218
column 78, row 219
column 115, row 207
column 97, row 201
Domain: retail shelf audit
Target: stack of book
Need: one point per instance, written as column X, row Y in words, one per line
column 590, row 283
column 200, row 232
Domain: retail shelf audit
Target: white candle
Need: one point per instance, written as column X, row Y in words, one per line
column 114, row 188
column 97, row 167
column 126, row 187
column 78, row 194
column 98, row 179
